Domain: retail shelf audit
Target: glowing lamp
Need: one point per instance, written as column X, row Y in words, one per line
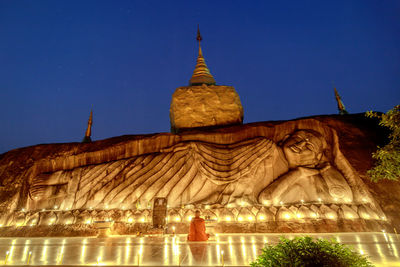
column 87, row 221
column 281, row 203
column 189, row 218
column 142, row 219
column 262, row 218
column 287, row 216
column 7, row 253
column 319, row 199
column 314, row 215
column 55, row 207
column 130, row 220
column 228, row 218
column 240, row 218
column 298, row 215
column 250, row 218
column 177, row 219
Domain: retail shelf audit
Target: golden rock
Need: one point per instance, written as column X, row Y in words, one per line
column 204, row 106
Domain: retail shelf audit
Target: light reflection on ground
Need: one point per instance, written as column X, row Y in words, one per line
column 222, row 249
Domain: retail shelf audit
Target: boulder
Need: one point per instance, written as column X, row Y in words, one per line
column 205, row 106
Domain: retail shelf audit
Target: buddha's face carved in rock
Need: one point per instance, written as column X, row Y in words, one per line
column 303, row 148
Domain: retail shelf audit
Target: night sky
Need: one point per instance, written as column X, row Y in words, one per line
column 58, row 58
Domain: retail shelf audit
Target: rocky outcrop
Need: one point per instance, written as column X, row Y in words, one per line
column 237, row 172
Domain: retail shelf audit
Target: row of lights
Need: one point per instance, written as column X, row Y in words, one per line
column 240, row 218
column 230, row 205
column 286, row 216
column 176, row 249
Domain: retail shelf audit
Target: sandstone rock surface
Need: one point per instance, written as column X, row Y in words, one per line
column 241, row 172
column 205, row 105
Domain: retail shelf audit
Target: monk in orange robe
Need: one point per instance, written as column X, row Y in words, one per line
column 197, row 229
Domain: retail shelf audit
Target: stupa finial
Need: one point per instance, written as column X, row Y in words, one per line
column 198, row 34
column 201, row 74
column 341, row 108
column 88, row 133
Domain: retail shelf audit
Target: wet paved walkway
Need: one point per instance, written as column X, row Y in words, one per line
column 222, row 249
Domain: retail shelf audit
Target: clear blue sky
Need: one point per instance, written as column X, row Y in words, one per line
column 58, row 58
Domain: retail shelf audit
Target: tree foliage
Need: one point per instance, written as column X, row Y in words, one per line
column 306, row 252
column 387, row 158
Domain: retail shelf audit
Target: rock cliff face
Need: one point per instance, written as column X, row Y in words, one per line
column 205, row 105
column 300, row 175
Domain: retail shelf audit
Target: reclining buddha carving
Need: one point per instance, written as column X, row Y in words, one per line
column 311, row 178
column 302, row 167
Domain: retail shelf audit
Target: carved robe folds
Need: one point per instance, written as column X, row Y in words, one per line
column 188, row 173
column 253, row 171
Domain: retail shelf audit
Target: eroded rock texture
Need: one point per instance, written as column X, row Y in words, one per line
column 186, row 173
column 281, row 172
column 205, row 105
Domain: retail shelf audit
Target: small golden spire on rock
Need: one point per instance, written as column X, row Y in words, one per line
column 201, row 74
column 88, row 133
column 341, row 108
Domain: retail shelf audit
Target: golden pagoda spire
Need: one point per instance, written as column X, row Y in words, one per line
column 201, row 74
column 341, row 108
column 88, row 133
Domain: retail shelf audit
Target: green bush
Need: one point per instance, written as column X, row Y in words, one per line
column 304, row 251
column 387, row 165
